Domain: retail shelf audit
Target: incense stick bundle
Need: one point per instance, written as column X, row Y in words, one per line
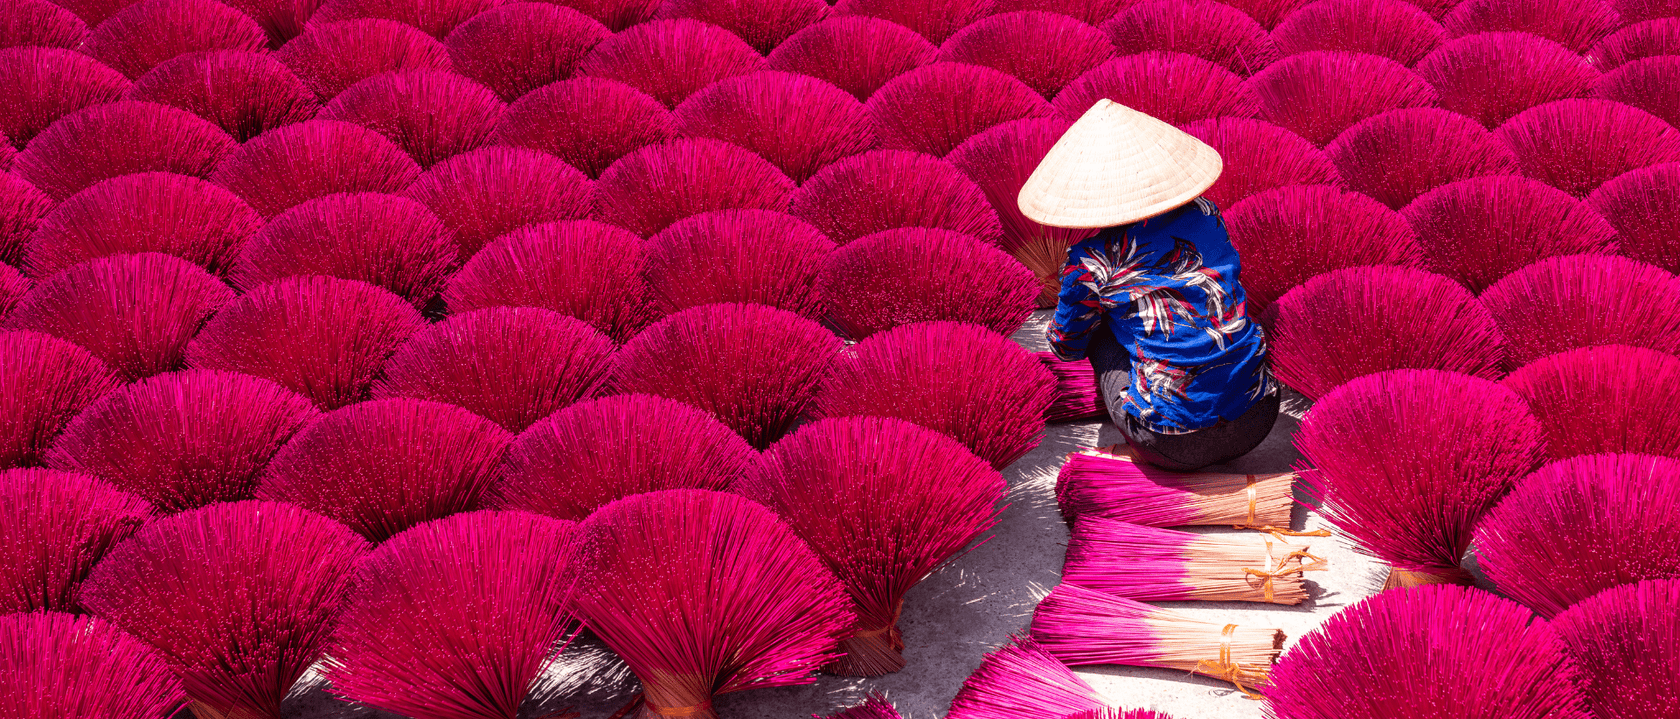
column 1085, row 626
column 1162, row 565
column 1099, row 484
column 1077, row 395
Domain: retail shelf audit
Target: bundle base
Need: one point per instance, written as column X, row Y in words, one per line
column 1045, row 257
column 870, row 654
column 1402, row 579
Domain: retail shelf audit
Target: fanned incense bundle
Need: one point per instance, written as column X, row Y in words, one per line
column 1266, row 12
column 888, row 189
column 1492, row 76
column 183, row 439
column 1095, row 483
column 288, row 166
column 54, row 664
column 670, row 59
column 44, row 383
column 69, row 520
column 1648, row 84
column 933, row 109
column 433, row 17
column 13, row 286
column 597, row 451
column 119, row 138
column 1289, row 235
column 579, row 268
column 617, row 15
column 1400, row 154
column 144, row 212
column 874, row 706
column 519, row 47
column 1441, row 651
column 244, row 93
column 1408, row 481
column 331, row 56
column 1045, row 50
column 649, row 189
column 94, row 11
column 1651, row 38
column 1624, row 639
column 883, row 503
column 764, row 24
column 1212, row 31
column 1077, row 395
column 1084, row 626
column 704, row 593
column 935, row 20
column 21, row 209
column 1150, row 564
column 589, row 122
column 1023, row 680
column 431, row 114
column 239, row 598
column 800, row 124
column 1640, row 205
column 1574, row 24
column 492, row 191
column 1479, row 230
column 1577, row 145
column 1171, row 86
column 1395, row 29
column 144, row 34
column 877, row 283
column 41, row 23
column 1319, row 94
column 1260, row 156
column 856, row 54
column 1563, row 303
column 1609, row 398
column 282, row 20
column 43, row 84
column 1118, row 713
column 752, row 256
column 1094, row 12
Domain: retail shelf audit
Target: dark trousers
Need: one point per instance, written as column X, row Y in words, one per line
column 1223, row 442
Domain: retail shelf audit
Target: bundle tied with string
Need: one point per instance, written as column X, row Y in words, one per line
column 1162, row 565
column 1023, row 680
column 1395, row 29
column 1102, row 483
column 855, row 53
column 1084, row 626
column 1077, row 395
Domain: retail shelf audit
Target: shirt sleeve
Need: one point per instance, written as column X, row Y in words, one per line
column 1078, row 311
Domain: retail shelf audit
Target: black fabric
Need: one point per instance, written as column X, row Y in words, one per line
column 1186, row 452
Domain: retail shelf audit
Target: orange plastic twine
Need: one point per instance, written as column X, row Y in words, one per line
column 1225, row 668
column 702, row 707
column 1277, row 533
column 1266, row 576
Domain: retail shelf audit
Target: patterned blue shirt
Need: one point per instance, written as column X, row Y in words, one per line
column 1167, row 288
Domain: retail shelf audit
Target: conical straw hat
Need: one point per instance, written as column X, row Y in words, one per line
column 1117, row 165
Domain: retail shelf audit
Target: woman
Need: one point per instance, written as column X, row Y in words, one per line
column 1153, row 300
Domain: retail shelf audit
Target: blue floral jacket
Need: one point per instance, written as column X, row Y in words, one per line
column 1167, row 288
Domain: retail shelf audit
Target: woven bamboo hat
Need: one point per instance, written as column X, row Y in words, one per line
column 1117, row 165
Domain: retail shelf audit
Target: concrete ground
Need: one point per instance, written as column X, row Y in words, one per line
column 972, row 606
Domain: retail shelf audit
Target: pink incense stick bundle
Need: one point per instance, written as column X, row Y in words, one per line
column 512, row 365
column 144, row 34
column 1623, row 638
column 135, row 313
column 119, row 138
column 322, row 337
column 281, row 20
column 935, row 20
column 43, row 84
column 670, row 59
column 431, row 114
column 1621, row 510
column 383, row 240
column 1093, row 12
column 598, row 451
column 1650, row 38
column 1023, row 680
column 13, row 286
column 999, row 160
column 1573, row 24
column 884, row 503
column 183, row 439
column 1442, row 651
column 239, row 598
column 877, row 283
column 960, row 379
column 1044, row 50
column 1604, row 139
column 144, row 212
column 854, row 53
column 381, row 467
column 753, row 256
column 1118, row 713
column 874, row 706
column 433, row 17
column 1491, row 76
column 1082, row 626
column 455, row 618
column 1408, row 481
column 1400, row 154
column 1094, row 483
column 1078, row 397
column 651, row 188
column 288, row 166
column 1639, row 205
column 69, row 521
column 244, row 93
column 94, row 11
column 1395, row 29
column 1319, row 94
column 888, row 189
column 763, row 24
column 589, row 122
column 1289, row 235
column 519, row 47
column 753, row 367
column 1609, row 398
column 1648, row 84
column 331, row 56
column 57, row 664
column 1563, row 303
column 617, row 15
column 1260, row 156
column 42, row 24
column 1361, row 320
column 800, row 124
column 933, row 109
column 1633, row 11
column 1479, row 230
column 579, row 268
column 1172, row 86
column 1212, row 31
column 1266, row 12
column 492, row 191
column 704, row 593
column 44, row 383
column 1150, row 564
column 21, row 209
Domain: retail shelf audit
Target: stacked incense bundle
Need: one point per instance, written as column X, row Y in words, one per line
column 1095, row 483
column 1150, row 564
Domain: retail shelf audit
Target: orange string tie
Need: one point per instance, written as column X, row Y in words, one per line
column 705, row 706
column 898, row 611
column 1280, row 570
column 1225, row 668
